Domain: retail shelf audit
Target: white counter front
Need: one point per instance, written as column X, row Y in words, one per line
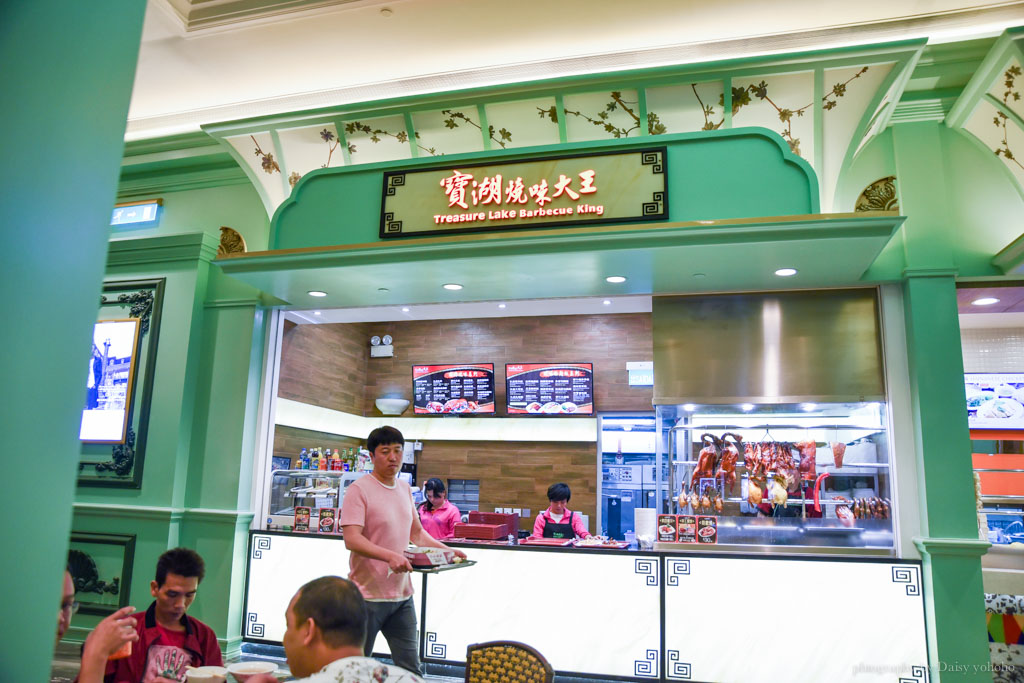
column 640, row 616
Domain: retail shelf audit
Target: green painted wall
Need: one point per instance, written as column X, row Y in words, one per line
column 739, row 173
column 65, row 116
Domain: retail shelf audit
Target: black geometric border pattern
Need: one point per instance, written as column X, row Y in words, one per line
column 677, row 671
column 259, row 544
column 655, row 207
column 648, row 568
column 910, row 575
column 390, row 224
column 676, row 568
column 252, row 626
column 918, row 674
column 653, row 159
column 648, row 667
column 434, row 648
column 394, row 181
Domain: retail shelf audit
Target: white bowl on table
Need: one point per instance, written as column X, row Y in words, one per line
column 242, row 671
column 206, row 674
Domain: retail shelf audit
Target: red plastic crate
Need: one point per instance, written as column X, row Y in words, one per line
column 487, row 532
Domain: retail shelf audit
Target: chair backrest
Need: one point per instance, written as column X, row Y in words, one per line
column 506, row 661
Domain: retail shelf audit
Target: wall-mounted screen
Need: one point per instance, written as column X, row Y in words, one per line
column 453, row 389
column 108, row 384
column 995, row 401
column 550, row 388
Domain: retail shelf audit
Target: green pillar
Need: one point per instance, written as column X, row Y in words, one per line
column 950, row 548
column 66, row 82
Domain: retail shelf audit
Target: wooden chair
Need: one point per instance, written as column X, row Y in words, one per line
column 506, row 661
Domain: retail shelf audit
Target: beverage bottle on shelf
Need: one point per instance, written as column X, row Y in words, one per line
column 335, row 461
column 314, row 459
column 322, row 465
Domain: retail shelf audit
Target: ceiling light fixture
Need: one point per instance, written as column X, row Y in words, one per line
column 501, row 305
column 316, row 312
column 808, row 407
column 453, row 286
column 615, row 279
column 607, row 302
column 405, row 309
column 316, row 292
column 383, row 289
column 699, row 276
column 786, row 272
column 689, row 407
column 985, row 301
column 747, row 407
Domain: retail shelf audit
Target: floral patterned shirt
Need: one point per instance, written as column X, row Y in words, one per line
column 360, row 670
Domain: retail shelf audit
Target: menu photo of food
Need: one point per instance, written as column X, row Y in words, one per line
column 301, row 519
column 995, row 401
column 453, row 389
column 667, row 528
column 687, row 526
column 328, row 517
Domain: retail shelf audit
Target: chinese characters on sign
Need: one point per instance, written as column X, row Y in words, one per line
column 487, row 192
column 585, row 189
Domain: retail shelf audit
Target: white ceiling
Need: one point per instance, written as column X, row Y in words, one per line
column 477, row 309
column 372, row 49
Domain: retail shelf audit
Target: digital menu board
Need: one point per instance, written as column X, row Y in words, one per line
column 550, row 388
column 453, row 389
column 995, row 401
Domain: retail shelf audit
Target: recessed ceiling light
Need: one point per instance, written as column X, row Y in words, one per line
column 501, row 305
column 383, row 289
column 627, row 428
column 699, row 276
column 689, row 407
column 808, row 407
column 615, row 279
column 316, row 292
column 405, row 309
column 452, row 286
column 985, row 301
column 747, row 407
column 316, row 312
column 607, row 302
column 785, row 272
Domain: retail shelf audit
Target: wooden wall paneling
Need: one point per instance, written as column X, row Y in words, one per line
column 289, row 442
column 325, row 365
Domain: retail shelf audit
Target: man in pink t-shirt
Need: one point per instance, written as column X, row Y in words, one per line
column 379, row 521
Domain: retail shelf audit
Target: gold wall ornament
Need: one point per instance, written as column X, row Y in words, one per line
column 879, row 196
column 231, row 242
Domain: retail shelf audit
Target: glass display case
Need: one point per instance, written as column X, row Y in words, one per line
column 314, row 489
column 805, row 474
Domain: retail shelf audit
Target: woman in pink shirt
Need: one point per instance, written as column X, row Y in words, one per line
column 558, row 521
column 437, row 515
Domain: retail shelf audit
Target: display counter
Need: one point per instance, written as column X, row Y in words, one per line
column 673, row 616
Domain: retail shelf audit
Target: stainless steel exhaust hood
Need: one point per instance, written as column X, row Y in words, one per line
column 774, row 347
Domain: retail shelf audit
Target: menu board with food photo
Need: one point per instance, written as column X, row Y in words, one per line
column 327, row 519
column 667, row 528
column 707, row 530
column 453, row 389
column 995, row 401
column 550, row 388
column 687, row 529
column 302, row 515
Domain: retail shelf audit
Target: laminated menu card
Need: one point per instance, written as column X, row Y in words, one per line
column 707, row 529
column 687, row 529
column 327, row 520
column 667, row 528
column 301, row 519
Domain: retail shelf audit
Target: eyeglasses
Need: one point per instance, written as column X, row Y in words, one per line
column 71, row 608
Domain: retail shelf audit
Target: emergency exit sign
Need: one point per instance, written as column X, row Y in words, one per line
column 641, row 373
column 136, row 212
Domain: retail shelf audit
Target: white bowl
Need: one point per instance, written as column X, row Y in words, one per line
column 391, row 406
column 243, row 670
column 206, row 674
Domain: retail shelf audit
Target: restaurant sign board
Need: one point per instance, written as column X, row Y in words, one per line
column 585, row 189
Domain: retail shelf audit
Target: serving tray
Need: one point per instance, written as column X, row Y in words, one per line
column 444, row 567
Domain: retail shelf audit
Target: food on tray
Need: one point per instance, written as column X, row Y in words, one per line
column 420, row 556
column 838, row 450
column 1000, row 408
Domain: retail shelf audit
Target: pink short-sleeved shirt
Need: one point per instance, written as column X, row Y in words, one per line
column 386, row 515
column 440, row 522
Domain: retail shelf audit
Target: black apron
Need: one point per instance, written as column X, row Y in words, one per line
column 552, row 530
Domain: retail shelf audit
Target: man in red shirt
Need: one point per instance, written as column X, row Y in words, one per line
column 169, row 640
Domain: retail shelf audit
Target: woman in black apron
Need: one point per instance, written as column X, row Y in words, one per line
column 569, row 524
